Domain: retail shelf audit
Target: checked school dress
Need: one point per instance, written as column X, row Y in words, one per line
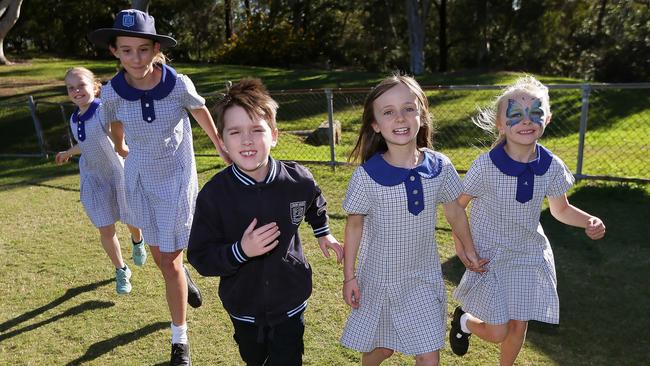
column 403, row 299
column 521, row 283
column 160, row 172
column 101, row 170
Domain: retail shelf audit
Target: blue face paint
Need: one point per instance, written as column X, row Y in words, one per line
column 516, row 113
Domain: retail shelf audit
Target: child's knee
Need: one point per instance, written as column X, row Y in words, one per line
column 169, row 264
column 383, row 352
column 517, row 327
column 427, row 359
column 107, row 232
column 499, row 332
column 386, row 352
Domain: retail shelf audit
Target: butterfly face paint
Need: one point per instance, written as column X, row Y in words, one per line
column 530, row 109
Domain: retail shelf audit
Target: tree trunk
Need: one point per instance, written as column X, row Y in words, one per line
column 484, row 49
column 247, row 8
column 142, row 5
column 227, row 18
column 601, row 15
column 9, row 13
column 443, row 48
column 417, row 11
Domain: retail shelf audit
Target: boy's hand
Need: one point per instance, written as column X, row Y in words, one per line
column 595, row 228
column 259, row 241
column 351, row 292
column 62, row 157
column 329, row 242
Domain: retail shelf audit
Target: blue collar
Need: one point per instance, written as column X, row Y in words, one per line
column 246, row 180
column 80, row 120
column 387, row 175
column 164, row 87
column 88, row 114
column 513, row 168
column 525, row 172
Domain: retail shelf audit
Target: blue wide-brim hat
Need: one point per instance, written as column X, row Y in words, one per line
column 130, row 23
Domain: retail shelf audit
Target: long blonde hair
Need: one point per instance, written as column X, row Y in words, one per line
column 486, row 119
column 370, row 142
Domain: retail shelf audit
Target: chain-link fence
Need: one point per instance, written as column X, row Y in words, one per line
column 601, row 131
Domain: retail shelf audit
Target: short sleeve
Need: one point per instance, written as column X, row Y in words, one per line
column 473, row 181
column 561, row 180
column 190, row 99
column 356, row 200
column 108, row 111
column 99, row 115
column 451, row 185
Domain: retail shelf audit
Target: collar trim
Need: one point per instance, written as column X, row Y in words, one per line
column 81, row 119
column 246, row 180
column 387, row 175
column 160, row 91
column 88, row 114
column 525, row 172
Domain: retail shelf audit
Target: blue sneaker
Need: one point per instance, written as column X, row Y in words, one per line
column 122, row 283
column 139, row 253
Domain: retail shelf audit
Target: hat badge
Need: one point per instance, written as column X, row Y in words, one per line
column 128, row 20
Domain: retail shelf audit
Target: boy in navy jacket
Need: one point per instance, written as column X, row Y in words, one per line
column 245, row 230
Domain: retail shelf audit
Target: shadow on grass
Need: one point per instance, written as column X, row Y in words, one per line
column 603, row 285
column 103, row 347
column 76, row 310
column 69, row 294
column 22, row 172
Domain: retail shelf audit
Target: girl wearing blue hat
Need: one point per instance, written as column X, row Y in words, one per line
column 150, row 103
column 507, row 187
column 101, row 173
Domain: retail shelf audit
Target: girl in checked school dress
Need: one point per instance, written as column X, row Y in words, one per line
column 149, row 103
column 101, row 174
column 507, row 187
column 397, row 292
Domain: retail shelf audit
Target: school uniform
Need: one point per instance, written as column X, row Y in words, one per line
column 160, row 171
column 403, row 300
column 101, row 170
column 264, row 292
column 521, row 283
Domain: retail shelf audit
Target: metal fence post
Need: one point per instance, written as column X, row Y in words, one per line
column 584, row 116
column 37, row 125
column 330, row 120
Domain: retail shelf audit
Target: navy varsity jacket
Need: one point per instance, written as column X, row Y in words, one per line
column 270, row 288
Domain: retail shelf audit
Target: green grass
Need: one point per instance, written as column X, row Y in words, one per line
column 616, row 143
column 59, row 304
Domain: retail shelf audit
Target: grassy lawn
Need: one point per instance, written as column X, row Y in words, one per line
column 616, row 144
column 58, row 296
column 59, row 302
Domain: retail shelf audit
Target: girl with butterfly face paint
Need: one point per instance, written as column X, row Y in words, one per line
column 507, row 186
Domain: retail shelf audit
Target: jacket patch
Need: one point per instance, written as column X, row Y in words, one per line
column 297, row 211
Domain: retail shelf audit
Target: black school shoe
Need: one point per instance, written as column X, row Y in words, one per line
column 458, row 339
column 193, row 293
column 180, row 355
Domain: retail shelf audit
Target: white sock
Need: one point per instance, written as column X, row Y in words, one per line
column 179, row 333
column 463, row 323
